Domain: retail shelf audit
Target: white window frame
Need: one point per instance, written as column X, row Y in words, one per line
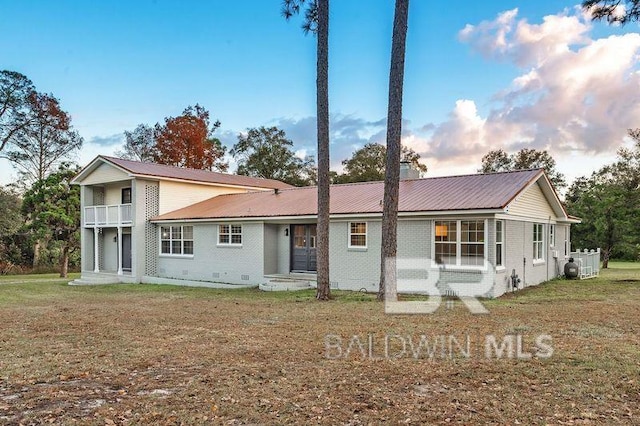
column 182, row 240
column 567, row 249
column 538, row 245
column 366, row 238
column 230, row 234
column 552, row 235
column 500, row 244
column 436, row 243
column 458, row 242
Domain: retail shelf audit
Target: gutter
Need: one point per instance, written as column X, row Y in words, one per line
column 333, row 216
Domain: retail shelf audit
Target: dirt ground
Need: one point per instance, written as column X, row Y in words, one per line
column 566, row 352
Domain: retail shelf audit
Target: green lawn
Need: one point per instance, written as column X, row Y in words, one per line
column 154, row 354
column 615, row 265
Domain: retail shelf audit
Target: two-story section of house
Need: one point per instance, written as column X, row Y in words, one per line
column 118, row 197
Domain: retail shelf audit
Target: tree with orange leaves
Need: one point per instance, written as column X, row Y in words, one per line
column 187, row 141
column 46, row 139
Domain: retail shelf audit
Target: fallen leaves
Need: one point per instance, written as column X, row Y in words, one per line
column 166, row 356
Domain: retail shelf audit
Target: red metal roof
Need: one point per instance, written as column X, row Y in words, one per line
column 163, row 171
column 454, row 193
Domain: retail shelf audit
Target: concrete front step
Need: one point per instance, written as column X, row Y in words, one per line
column 81, row 281
column 92, row 278
column 288, row 284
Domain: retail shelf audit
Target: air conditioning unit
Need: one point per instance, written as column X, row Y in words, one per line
column 554, row 253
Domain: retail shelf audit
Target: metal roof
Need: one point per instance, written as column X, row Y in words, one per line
column 489, row 191
column 170, row 172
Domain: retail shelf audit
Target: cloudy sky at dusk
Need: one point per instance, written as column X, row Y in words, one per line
column 497, row 74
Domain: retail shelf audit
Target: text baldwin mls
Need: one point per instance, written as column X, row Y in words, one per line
column 438, row 347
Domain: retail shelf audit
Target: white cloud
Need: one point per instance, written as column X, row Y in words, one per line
column 461, row 135
column 301, row 153
column 490, row 37
column 575, row 94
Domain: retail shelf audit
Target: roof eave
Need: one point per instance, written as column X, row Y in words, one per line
column 89, row 168
column 201, row 182
column 478, row 212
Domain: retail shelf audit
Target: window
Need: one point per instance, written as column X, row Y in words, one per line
column 126, row 196
column 446, row 249
column 230, row 235
column 552, row 235
column 358, row 234
column 176, row 240
column 538, row 240
column 566, row 241
column 499, row 242
column 472, row 246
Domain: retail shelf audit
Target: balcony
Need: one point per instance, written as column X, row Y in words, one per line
column 103, row 216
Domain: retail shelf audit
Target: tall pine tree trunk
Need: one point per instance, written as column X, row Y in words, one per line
column 388, row 283
column 322, row 87
column 36, row 253
column 64, row 262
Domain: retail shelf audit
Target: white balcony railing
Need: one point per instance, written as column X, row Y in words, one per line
column 115, row 215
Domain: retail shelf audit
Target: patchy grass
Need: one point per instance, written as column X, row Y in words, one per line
column 141, row 354
column 36, row 277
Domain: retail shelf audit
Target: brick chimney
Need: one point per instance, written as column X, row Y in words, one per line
column 407, row 171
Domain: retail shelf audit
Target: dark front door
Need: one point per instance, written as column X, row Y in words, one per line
column 126, row 252
column 303, row 250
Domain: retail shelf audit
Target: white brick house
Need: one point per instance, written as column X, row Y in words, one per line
column 461, row 229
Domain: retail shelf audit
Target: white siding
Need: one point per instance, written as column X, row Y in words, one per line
column 270, row 248
column 113, row 192
column 532, row 204
column 284, row 249
column 176, row 195
column 104, row 173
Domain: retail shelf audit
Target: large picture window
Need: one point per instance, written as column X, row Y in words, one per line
column 460, row 242
column 499, row 242
column 358, row 234
column 538, row 242
column 176, row 240
column 230, row 235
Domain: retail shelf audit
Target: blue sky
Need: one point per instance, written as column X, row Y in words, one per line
column 541, row 76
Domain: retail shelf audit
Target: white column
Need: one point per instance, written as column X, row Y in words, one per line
column 96, row 255
column 119, row 248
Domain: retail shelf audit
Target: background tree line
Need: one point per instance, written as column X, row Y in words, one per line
column 40, row 210
column 264, row 152
column 607, row 201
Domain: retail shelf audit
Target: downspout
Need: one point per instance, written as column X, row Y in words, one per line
column 524, row 255
column 547, row 248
